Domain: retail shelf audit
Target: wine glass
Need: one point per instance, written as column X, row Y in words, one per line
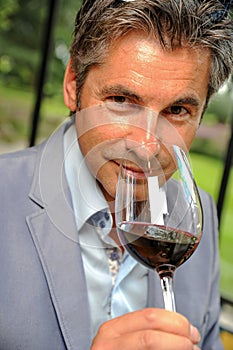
column 158, row 210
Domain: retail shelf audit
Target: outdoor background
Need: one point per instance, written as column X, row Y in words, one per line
column 22, row 34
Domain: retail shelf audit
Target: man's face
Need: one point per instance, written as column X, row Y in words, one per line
column 171, row 83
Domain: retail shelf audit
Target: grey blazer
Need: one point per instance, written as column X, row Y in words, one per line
column 43, row 296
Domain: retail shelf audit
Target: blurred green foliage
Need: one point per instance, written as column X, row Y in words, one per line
column 7, row 9
column 22, row 30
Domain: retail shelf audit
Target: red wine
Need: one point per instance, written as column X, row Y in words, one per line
column 154, row 245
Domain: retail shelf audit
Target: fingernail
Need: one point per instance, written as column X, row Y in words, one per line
column 195, row 335
column 195, row 347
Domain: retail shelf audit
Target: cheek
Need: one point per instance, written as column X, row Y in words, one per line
column 91, row 149
column 189, row 136
column 99, row 135
column 186, row 135
column 98, row 151
column 108, row 176
column 92, row 143
column 88, row 141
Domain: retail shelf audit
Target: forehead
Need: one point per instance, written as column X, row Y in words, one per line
column 138, row 61
column 142, row 48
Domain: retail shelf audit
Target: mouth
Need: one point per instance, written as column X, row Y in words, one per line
column 138, row 170
column 129, row 165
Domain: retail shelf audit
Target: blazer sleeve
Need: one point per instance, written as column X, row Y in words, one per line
column 211, row 340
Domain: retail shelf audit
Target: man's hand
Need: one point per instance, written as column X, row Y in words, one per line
column 147, row 329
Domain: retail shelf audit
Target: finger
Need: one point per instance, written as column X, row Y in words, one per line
column 151, row 319
column 145, row 340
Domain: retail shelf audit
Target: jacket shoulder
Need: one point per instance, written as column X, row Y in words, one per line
column 23, row 161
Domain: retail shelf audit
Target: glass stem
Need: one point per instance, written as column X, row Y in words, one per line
column 168, row 294
column 166, row 273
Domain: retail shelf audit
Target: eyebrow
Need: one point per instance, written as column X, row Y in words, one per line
column 120, row 90
column 190, row 100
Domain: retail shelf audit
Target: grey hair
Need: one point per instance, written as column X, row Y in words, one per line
column 175, row 23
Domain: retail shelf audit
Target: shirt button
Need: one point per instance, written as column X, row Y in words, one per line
column 102, row 224
column 106, row 215
column 114, row 256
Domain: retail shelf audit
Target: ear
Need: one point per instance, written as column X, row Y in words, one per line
column 69, row 88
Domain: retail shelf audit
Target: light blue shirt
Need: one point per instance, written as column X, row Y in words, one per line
column 108, row 298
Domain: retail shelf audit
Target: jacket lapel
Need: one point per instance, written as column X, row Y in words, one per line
column 54, row 233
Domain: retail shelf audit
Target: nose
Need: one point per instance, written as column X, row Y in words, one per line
column 144, row 130
column 144, row 155
column 144, row 149
column 143, row 143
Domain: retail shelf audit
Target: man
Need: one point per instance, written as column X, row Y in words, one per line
column 65, row 281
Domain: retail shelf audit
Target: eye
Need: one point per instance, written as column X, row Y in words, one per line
column 118, row 99
column 176, row 112
column 121, row 105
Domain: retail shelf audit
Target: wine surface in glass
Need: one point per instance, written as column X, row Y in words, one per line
column 155, row 245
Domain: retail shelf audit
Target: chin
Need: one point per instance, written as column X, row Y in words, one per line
column 108, row 182
column 108, row 188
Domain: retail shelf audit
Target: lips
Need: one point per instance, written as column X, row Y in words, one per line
column 129, row 166
column 159, row 166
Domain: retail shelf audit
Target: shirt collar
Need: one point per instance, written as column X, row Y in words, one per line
column 88, row 199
